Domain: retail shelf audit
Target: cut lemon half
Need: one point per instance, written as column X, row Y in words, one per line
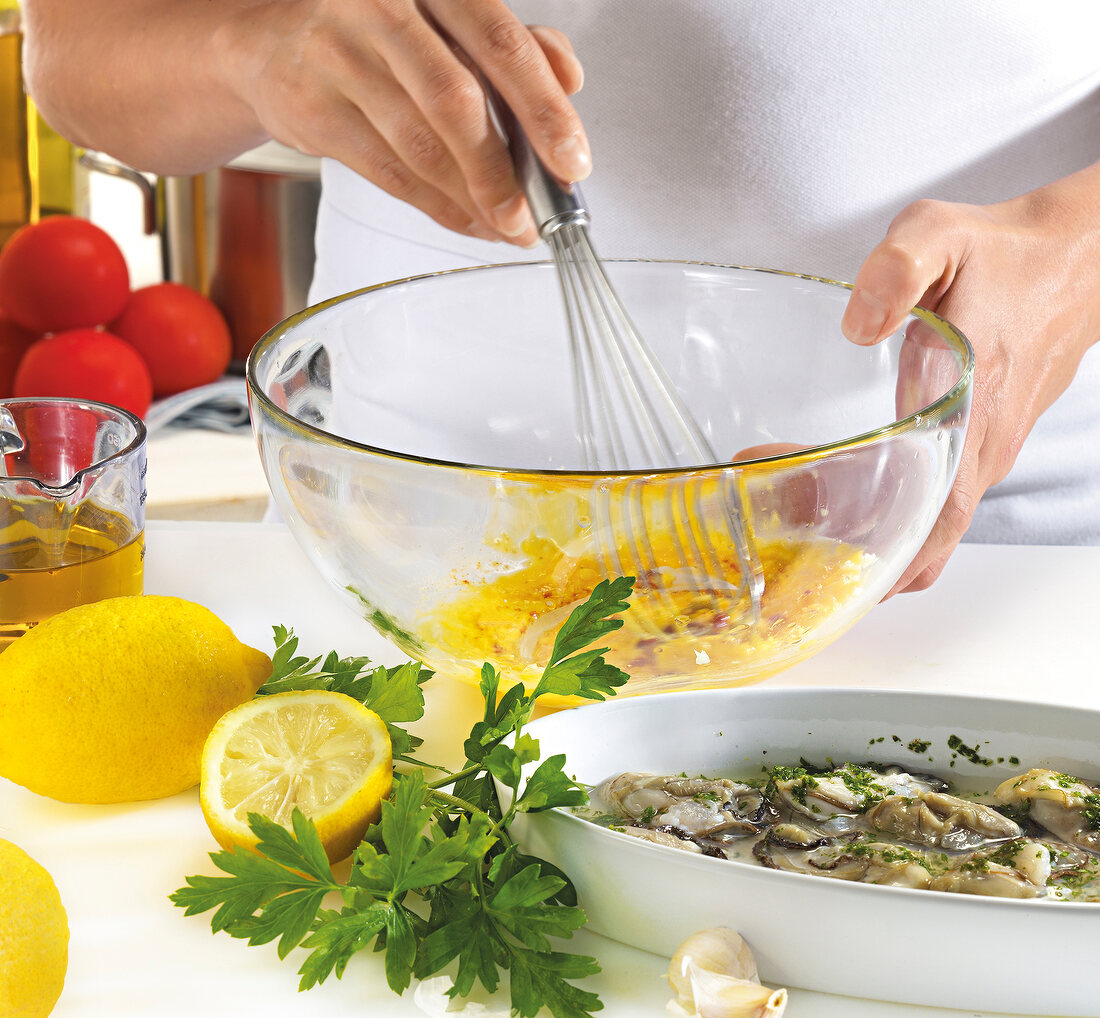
column 322, row 752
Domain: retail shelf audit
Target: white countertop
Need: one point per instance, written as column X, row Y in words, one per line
column 198, row 474
column 1015, row 622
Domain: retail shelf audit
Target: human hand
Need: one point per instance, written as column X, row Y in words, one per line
column 1021, row 280
column 387, row 88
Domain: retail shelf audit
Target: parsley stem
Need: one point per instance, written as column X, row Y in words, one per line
column 456, row 803
column 450, row 779
column 499, row 828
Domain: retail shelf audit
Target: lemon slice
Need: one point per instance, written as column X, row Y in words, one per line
column 322, row 752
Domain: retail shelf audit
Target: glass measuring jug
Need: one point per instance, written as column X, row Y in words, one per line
column 72, row 507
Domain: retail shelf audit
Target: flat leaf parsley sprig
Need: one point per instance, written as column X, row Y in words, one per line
column 438, row 880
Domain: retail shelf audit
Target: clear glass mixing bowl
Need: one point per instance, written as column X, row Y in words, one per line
column 419, row 438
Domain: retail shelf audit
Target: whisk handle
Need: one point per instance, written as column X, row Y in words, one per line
column 553, row 204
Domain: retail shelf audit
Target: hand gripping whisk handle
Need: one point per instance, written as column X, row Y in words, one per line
column 553, row 204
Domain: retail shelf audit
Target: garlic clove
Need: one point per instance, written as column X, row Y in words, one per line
column 714, row 976
column 720, row 949
column 721, row 996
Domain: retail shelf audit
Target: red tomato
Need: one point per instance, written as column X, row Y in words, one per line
column 86, row 364
column 62, row 273
column 14, row 342
column 179, row 333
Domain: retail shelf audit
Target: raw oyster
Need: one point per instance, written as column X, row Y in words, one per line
column 1068, row 861
column 1059, row 803
column 941, row 820
column 845, row 857
column 662, row 837
column 1020, row 869
column 714, row 810
column 1036, row 836
column 834, row 800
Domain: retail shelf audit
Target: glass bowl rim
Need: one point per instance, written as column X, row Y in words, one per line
column 269, row 339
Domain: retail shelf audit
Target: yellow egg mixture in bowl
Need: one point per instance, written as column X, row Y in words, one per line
column 421, row 440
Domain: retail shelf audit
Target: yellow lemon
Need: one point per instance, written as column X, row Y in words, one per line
column 322, row 752
column 34, row 937
column 113, row 701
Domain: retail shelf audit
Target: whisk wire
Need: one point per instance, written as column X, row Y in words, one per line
column 622, row 525
column 583, row 356
column 638, row 404
column 617, row 406
column 630, row 416
column 692, row 586
column 608, row 322
column 752, row 573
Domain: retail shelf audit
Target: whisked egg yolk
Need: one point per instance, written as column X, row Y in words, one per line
column 679, row 626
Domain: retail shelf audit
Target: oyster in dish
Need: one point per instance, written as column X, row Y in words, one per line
column 1059, row 803
column 941, row 820
column 1019, row 869
column 835, row 800
column 845, row 857
column 709, row 811
column 1033, row 836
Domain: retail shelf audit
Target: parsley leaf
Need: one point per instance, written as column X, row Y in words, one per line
column 394, row 694
column 336, row 937
column 570, row 673
column 591, row 621
column 272, row 892
column 538, row 977
column 438, row 878
column 549, row 787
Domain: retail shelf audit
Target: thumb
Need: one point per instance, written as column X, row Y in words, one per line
column 914, row 263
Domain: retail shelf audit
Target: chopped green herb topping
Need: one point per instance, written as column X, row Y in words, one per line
column 1091, row 811
column 1006, row 854
column 969, row 752
column 799, row 778
column 864, row 783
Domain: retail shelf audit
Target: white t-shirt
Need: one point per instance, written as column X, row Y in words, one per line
column 788, row 136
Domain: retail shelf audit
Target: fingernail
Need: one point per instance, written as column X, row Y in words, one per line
column 572, row 158
column 511, row 217
column 864, row 317
column 528, row 241
column 482, row 232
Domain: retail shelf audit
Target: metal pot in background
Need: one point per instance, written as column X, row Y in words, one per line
column 241, row 234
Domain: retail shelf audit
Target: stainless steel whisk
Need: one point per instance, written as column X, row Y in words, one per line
column 631, row 417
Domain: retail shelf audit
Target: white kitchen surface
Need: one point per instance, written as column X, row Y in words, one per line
column 196, row 474
column 1013, row 622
